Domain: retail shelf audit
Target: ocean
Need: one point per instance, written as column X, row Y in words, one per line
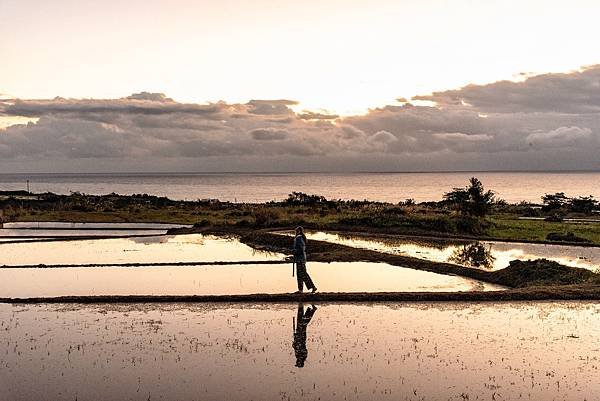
column 263, row 187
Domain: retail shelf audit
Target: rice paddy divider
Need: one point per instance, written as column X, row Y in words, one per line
column 530, row 294
column 156, row 264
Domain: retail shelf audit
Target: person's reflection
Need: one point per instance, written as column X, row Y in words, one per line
column 302, row 321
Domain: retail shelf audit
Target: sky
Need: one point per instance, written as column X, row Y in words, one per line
column 299, row 86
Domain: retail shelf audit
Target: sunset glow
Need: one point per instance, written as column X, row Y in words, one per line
column 323, row 54
column 339, row 200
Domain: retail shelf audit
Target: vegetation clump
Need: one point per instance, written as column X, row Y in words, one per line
column 472, row 200
column 543, row 272
column 566, row 237
column 559, row 203
column 265, row 217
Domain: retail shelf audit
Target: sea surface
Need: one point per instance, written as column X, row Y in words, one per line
column 263, row 187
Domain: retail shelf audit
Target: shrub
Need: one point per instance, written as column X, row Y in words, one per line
column 471, row 225
column 202, row 223
column 302, row 199
column 265, row 217
column 532, row 212
column 565, row 237
column 472, row 200
column 554, row 201
column 583, row 204
column 555, row 218
column 243, row 223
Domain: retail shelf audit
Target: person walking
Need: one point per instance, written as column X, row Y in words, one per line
column 300, row 261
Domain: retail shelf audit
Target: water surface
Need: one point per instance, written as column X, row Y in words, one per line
column 225, row 280
column 97, row 226
column 458, row 351
column 53, row 233
column 499, row 254
column 158, row 249
column 33, row 230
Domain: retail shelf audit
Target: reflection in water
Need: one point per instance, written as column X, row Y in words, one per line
column 474, row 255
column 103, row 226
column 16, row 239
column 503, row 252
column 302, row 320
column 50, row 233
column 165, row 249
column 223, row 280
column 402, row 351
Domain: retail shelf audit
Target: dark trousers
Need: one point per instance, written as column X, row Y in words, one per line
column 303, row 277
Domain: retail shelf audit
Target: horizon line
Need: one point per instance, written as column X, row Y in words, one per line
column 122, row 173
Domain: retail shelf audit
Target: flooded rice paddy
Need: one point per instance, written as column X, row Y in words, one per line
column 155, row 249
column 507, row 351
column 83, row 226
column 491, row 255
column 424, row 351
column 43, row 230
column 252, row 278
column 225, row 280
column 9, row 233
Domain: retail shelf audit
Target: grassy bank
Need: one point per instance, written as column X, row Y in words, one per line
column 428, row 219
column 510, row 227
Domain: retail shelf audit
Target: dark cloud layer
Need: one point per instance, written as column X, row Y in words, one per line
column 549, row 121
column 575, row 92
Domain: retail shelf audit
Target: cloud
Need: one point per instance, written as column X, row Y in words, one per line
column 350, row 132
column 460, row 137
column 563, row 137
column 90, row 107
column 271, row 107
column 268, row 134
column 154, row 97
column 309, row 115
column 517, row 125
column 576, row 92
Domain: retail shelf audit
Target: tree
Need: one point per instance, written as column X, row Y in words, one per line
column 583, row 204
column 472, row 200
column 302, row 199
column 554, row 201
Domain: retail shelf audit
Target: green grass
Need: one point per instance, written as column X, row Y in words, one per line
column 143, row 216
column 415, row 220
column 513, row 228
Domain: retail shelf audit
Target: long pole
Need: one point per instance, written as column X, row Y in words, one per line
column 27, row 186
